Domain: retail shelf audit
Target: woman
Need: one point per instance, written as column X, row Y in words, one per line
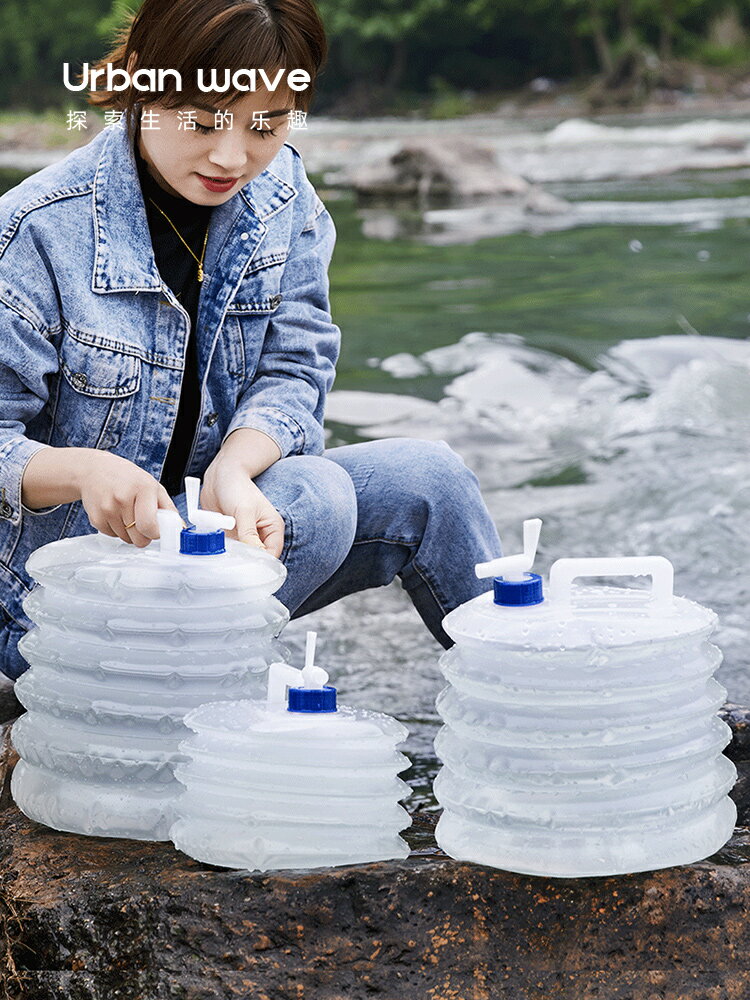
column 164, row 312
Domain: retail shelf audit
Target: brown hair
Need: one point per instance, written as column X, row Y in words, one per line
column 226, row 34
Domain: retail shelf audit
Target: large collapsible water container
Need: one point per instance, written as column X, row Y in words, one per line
column 581, row 735
column 127, row 642
column 297, row 782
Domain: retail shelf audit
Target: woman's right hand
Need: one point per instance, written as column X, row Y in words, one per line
column 121, row 500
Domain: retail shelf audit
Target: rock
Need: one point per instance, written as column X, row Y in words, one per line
column 10, row 706
column 29, row 160
column 428, row 168
column 105, row 919
column 84, row 918
column 362, row 409
column 733, row 143
column 737, row 718
column 542, row 85
column 629, row 82
column 541, row 202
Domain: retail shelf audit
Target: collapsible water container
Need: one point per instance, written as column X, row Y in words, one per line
column 581, row 735
column 295, row 782
column 127, row 641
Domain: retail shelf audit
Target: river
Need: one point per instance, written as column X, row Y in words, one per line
column 591, row 365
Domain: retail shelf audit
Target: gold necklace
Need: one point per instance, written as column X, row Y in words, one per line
column 205, row 241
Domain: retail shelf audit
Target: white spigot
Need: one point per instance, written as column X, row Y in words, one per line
column 204, row 520
column 312, row 676
column 282, row 676
column 513, row 568
column 170, row 526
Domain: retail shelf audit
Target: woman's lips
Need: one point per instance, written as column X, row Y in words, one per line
column 217, row 183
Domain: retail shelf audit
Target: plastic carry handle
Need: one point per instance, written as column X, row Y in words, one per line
column 565, row 571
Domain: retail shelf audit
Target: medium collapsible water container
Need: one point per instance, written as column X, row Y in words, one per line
column 127, row 641
column 296, row 782
column 581, row 735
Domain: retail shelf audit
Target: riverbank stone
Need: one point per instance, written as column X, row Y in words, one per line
column 88, row 918
column 428, row 168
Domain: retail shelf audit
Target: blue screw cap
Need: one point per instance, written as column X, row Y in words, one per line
column 201, row 543
column 312, row 699
column 519, row 593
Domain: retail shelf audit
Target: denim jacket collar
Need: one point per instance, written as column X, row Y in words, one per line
column 124, row 258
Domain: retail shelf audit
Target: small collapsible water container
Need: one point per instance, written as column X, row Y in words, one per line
column 296, row 782
column 581, row 735
column 127, row 641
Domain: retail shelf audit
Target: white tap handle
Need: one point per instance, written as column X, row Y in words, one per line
column 565, row 571
column 315, row 677
column 312, row 676
column 204, row 520
column 310, row 638
column 514, row 567
column 531, row 531
column 192, row 492
column 170, row 526
column 280, row 677
column 212, row 520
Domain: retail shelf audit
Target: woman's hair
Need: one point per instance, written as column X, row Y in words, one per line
column 226, row 34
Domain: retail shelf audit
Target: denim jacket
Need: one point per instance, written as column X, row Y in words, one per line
column 92, row 342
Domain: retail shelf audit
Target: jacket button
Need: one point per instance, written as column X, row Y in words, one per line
column 211, row 419
column 244, row 236
column 5, row 509
column 79, row 380
column 275, row 300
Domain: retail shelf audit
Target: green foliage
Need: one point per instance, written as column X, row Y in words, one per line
column 438, row 49
column 447, row 101
column 391, row 20
column 36, row 38
column 724, row 56
column 116, row 18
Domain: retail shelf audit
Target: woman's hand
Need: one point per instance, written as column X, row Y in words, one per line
column 228, row 488
column 120, row 499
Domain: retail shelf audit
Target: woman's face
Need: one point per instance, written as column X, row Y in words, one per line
column 192, row 162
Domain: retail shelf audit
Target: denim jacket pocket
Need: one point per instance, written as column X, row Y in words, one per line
column 258, row 292
column 246, row 323
column 256, row 302
column 270, row 260
column 95, row 391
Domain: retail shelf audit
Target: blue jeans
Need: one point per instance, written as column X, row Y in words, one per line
column 362, row 514
column 359, row 516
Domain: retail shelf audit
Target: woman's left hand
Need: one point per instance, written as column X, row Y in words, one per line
column 228, row 488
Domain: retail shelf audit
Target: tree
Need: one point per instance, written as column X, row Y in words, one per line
column 393, row 22
column 36, row 38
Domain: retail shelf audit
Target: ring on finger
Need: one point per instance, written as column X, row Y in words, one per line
column 128, row 526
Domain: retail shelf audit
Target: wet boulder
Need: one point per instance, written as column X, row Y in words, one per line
column 429, row 168
column 399, row 194
column 88, row 919
column 83, row 918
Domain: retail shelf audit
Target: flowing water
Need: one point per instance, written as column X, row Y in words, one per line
column 591, row 365
column 593, row 371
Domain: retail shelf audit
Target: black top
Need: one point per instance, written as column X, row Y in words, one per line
column 180, row 272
